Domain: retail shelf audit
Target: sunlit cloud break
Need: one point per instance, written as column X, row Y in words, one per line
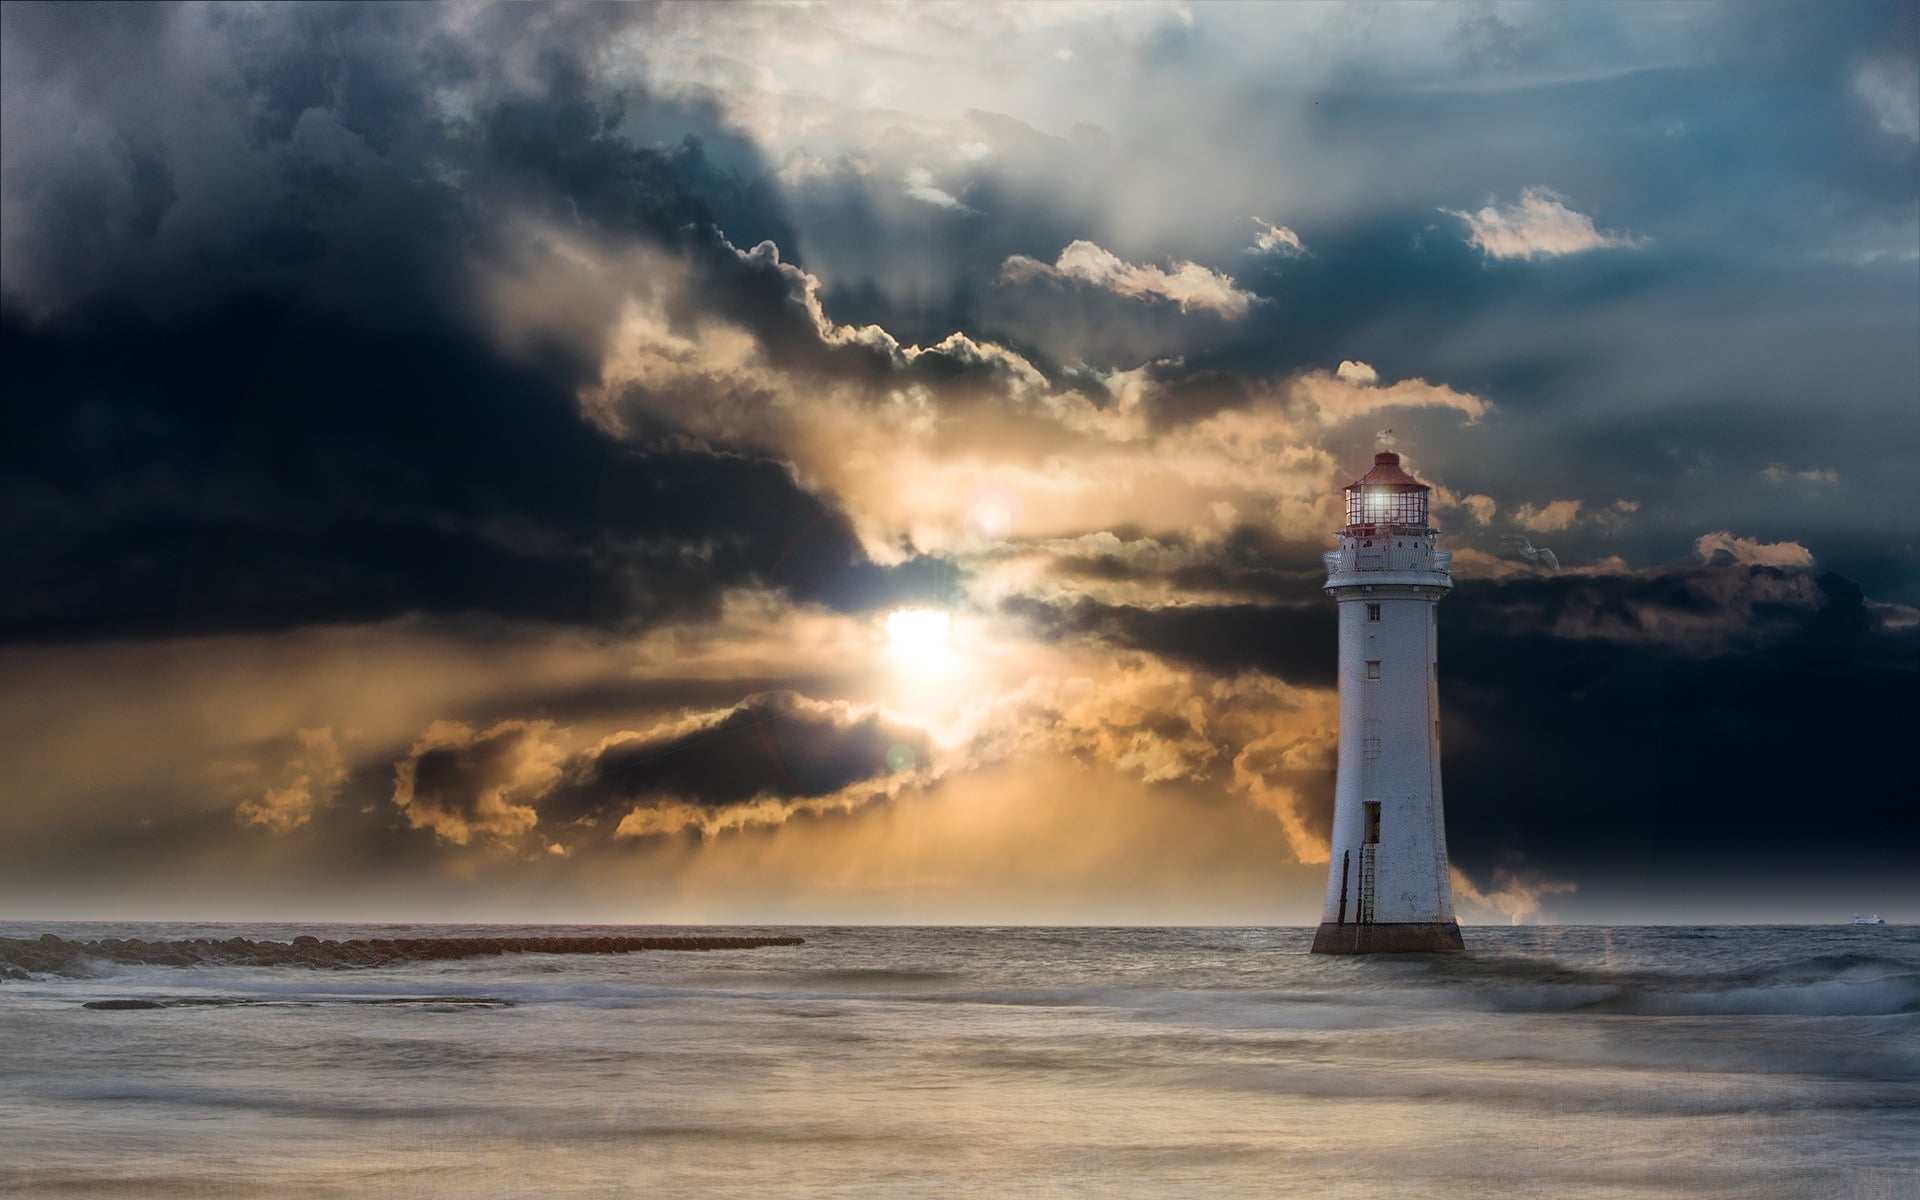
column 1539, row 226
column 1276, row 239
column 1188, row 284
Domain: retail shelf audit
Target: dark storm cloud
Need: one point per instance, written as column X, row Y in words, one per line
column 279, row 405
column 1600, row 724
column 1291, row 642
column 1183, row 394
column 778, row 745
column 1701, row 611
column 1611, row 755
column 1249, row 562
column 1249, row 601
column 271, row 465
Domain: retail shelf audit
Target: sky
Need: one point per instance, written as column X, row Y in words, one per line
column 470, row 462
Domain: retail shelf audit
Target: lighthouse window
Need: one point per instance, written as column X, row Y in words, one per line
column 1373, row 612
column 1373, row 668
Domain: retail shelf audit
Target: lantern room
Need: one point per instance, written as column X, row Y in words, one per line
column 1386, row 498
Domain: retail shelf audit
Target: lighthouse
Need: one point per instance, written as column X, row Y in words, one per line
column 1387, row 886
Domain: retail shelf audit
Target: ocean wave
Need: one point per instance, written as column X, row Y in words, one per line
column 1841, row 983
column 1887, row 996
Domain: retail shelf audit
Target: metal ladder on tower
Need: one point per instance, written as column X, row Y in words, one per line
column 1365, row 908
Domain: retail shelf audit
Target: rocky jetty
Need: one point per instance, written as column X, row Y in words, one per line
column 51, row 955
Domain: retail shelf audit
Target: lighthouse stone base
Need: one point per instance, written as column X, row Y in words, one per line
column 1387, row 938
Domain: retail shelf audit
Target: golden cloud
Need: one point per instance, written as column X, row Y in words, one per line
column 1547, row 518
column 1514, row 893
column 309, row 778
column 463, row 782
column 1752, row 552
column 909, row 460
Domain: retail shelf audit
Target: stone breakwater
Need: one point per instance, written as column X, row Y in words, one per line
column 50, row 955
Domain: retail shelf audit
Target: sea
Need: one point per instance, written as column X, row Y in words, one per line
column 880, row 1062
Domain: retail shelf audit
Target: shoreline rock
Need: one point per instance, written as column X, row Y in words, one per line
column 21, row 958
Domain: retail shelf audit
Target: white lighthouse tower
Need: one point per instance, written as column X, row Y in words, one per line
column 1387, row 887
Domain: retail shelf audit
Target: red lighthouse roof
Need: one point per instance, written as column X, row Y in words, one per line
column 1387, row 473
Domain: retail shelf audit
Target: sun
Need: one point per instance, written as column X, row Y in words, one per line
column 917, row 634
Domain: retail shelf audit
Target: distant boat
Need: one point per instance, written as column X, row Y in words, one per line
column 1860, row 920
